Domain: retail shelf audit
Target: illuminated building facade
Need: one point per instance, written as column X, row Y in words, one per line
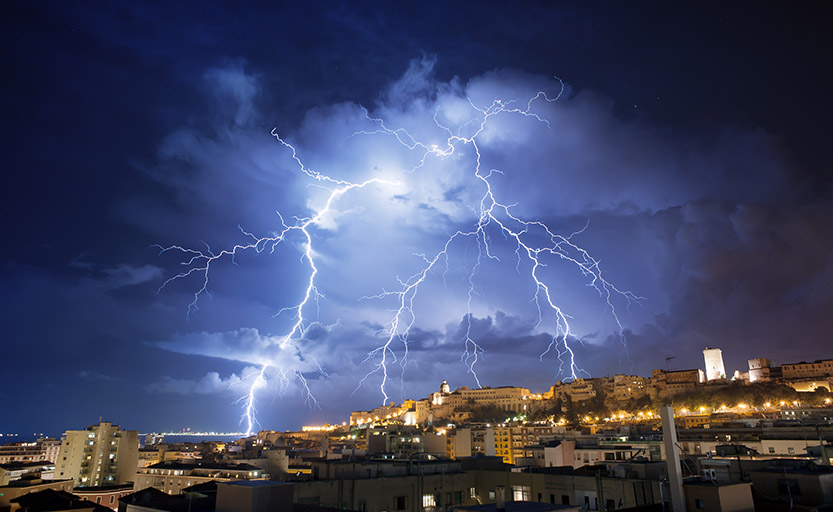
column 42, row 450
column 805, row 370
column 103, row 454
column 759, row 369
column 629, row 387
column 714, row 364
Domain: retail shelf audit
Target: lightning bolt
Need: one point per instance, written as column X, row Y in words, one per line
column 492, row 215
column 200, row 261
column 534, row 243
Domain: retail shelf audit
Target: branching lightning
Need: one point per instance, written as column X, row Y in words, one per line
column 497, row 216
column 199, row 262
column 534, row 243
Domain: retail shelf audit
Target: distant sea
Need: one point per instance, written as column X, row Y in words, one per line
column 196, row 439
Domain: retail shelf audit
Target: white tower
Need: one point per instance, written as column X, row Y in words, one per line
column 714, row 364
column 445, row 388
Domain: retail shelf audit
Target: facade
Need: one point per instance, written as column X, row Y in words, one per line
column 514, row 442
column 429, row 488
column 103, row 454
column 805, row 370
column 669, row 383
column 43, row 450
column 107, row 496
column 553, row 454
column 406, row 442
column 593, row 492
column 713, row 358
column 719, row 497
column 13, row 492
column 14, row 471
column 806, row 486
column 629, row 387
column 254, row 496
column 173, row 477
column 383, row 413
column 759, row 370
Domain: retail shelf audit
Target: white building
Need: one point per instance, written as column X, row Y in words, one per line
column 714, row 364
column 103, row 454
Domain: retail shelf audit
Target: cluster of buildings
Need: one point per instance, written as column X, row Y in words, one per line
column 435, row 455
column 619, row 392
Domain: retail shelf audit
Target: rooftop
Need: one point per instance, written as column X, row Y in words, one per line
column 519, row 506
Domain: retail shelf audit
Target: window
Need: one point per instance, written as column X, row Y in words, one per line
column 791, row 450
column 520, row 493
column 771, row 449
column 400, row 503
column 429, row 501
column 492, row 494
column 472, row 493
column 699, row 504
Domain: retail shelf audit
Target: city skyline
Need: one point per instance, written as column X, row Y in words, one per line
column 692, row 175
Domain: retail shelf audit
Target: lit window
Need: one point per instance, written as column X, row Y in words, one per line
column 429, row 500
column 520, row 492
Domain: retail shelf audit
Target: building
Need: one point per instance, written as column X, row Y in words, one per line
column 719, row 497
column 25, row 486
column 759, row 370
column 665, row 383
column 51, row 500
column 103, row 454
column 404, row 442
column 385, row 413
column 553, row 454
column 805, row 370
column 108, row 495
column 44, row 449
column 14, row 471
column 173, row 477
column 629, row 387
column 714, row 364
column 808, row 485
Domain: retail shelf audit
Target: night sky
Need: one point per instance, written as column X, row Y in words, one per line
column 693, row 142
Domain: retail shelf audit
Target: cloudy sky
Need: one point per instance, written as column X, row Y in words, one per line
column 687, row 154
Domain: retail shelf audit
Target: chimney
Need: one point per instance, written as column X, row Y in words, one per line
column 500, row 497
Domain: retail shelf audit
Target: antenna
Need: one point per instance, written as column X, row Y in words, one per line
column 667, row 366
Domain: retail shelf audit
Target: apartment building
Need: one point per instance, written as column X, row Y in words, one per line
column 103, row 454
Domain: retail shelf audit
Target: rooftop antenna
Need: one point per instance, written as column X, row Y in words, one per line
column 667, row 365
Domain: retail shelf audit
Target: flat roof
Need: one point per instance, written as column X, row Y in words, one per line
column 256, row 483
